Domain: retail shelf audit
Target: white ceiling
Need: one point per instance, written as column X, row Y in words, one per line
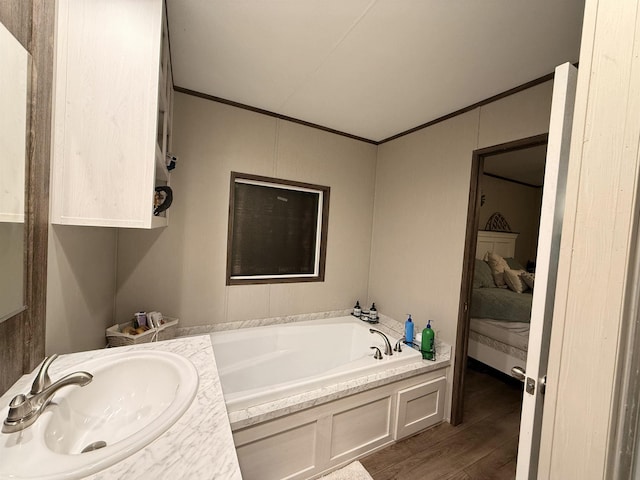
column 370, row 68
column 525, row 165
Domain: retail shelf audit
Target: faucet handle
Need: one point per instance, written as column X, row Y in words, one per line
column 42, row 379
column 398, row 347
column 19, row 407
column 388, row 350
column 378, row 354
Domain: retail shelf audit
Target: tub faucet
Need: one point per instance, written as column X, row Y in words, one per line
column 24, row 410
column 387, row 345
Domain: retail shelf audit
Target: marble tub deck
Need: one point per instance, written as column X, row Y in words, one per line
column 278, row 408
column 198, row 446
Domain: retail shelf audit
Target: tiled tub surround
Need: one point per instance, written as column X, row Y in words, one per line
column 198, row 446
column 317, row 430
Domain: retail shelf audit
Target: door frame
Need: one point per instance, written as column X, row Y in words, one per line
column 471, row 236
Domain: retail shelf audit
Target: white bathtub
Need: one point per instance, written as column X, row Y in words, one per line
column 262, row 364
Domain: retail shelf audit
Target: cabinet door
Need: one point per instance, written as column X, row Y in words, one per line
column 419, row 407
column 105, row 112
column 286, row 454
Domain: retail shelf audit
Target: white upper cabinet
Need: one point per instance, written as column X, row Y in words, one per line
column 112, row 113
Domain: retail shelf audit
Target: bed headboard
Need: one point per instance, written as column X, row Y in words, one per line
column 502, row 243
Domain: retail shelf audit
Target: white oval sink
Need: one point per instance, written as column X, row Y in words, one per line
column 134, row 397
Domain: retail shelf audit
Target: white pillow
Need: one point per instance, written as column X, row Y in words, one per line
column 513, row 280
column 528, row 279
column 498, row 266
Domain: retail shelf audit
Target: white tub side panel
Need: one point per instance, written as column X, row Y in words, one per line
column 346, row 429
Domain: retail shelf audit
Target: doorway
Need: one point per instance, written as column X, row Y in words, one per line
column 479, row 158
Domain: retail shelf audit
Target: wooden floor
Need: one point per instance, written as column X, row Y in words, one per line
column 484, row 446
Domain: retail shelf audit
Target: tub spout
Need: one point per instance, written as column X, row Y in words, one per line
column 387, row 345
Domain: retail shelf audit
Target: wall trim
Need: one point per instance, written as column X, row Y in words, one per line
column 481, row 103
column 269, row 113
column 500, row 177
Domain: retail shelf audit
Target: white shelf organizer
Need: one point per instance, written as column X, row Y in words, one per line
column 112, row 113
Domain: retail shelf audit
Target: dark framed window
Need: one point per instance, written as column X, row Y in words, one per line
column 277, row 230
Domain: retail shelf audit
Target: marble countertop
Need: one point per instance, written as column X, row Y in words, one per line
column 198, row 446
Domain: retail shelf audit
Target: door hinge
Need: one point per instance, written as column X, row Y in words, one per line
column 466, row 307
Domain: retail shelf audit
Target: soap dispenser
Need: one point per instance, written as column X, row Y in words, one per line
column 373, row 313
column 427, row 346
column 408, row 331
column 357, row 311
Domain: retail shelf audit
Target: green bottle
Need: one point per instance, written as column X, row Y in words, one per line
column 427, row 347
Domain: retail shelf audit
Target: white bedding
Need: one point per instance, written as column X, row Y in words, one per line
column 515, row 334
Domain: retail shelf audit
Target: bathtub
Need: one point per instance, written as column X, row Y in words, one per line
column 262, row 364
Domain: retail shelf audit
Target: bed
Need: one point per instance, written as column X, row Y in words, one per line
column 499, row 317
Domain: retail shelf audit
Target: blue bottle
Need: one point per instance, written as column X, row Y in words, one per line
column 408, row 331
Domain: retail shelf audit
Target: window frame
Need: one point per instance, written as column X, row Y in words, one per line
column 322, row 222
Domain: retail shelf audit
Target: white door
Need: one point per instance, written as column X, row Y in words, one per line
column 555, row 179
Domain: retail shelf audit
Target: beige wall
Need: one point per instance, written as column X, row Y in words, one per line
column 520, row 205
column 421, row 205
column 522, row 115
column 180, row 270
column 420, row 213
column 410, row 263
column 81, row 277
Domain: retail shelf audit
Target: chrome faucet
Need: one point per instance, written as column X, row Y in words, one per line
column 25, row 410
column 387, row 344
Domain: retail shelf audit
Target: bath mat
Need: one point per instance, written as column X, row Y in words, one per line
column 353, row 471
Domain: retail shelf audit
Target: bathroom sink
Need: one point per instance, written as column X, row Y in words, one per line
column 134, row 397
